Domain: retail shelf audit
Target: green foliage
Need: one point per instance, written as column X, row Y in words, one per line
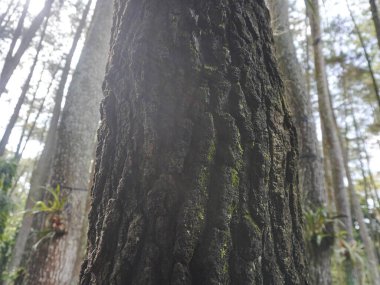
column 7, row 172
column 5, row 207
column 55, row 220
column 353, row 251
column 7, row 241
column 54, row 205
column 316, row 225
column 349, row 252
column 15, row 276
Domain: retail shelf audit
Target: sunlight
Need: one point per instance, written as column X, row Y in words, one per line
column 36, row 6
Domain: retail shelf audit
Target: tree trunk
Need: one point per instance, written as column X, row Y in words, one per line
column 330, row 132
column 6, row 18
column 196, row 166
column 375, row 18
column 18, row 31
column 357, row 211
column 6, row 12
column 54, row 261
column 24, row 92
column 11, row 62
column 41, row 174
column 29, row 113
column 366, row 56
column 310, row 160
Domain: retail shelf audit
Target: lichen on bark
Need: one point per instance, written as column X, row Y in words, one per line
column 195, row 179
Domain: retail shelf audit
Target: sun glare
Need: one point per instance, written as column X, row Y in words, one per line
column 36, row 6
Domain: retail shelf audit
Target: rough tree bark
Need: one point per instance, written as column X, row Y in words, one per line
column 195, row 179
column 330, row 133
column 54, row 261
column 310, row 160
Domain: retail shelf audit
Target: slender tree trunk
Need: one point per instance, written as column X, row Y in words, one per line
column 40, row 176
column 196, row 166
column 330, row 133
column 369, row 248
column 7, row 15
column 375, row 18
column 6, row 12
column 29, row 113
column 18, row 31
column 366, row 55
column 6, row 20
column 54, row 261
column 310, row 162
column 24, row 92
column 11, row 63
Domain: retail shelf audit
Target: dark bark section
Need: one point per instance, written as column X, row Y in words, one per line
column 195, row 179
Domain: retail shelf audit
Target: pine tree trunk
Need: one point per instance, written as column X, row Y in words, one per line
column 29, row 113
column 41, row 174
column 357, row 211
column 195, row 178
column 55, row 260
column 6, row 13
column 6, row 17
column 330, row 133
column 310, row 161
column 366, row 56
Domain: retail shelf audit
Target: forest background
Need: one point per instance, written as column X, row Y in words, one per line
column 352, row 55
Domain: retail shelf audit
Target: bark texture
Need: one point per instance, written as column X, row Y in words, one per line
column 54, row 261
column 195, row 179
column 310, row 159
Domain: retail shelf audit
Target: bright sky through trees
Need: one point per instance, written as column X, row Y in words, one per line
column 330, row 9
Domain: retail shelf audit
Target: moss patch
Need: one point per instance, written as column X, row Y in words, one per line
column 235, row 178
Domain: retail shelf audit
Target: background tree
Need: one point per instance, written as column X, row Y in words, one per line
column 330, row 136
column 13, row 57
column 310, row 161
column 55, row 260
column 30, row 226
